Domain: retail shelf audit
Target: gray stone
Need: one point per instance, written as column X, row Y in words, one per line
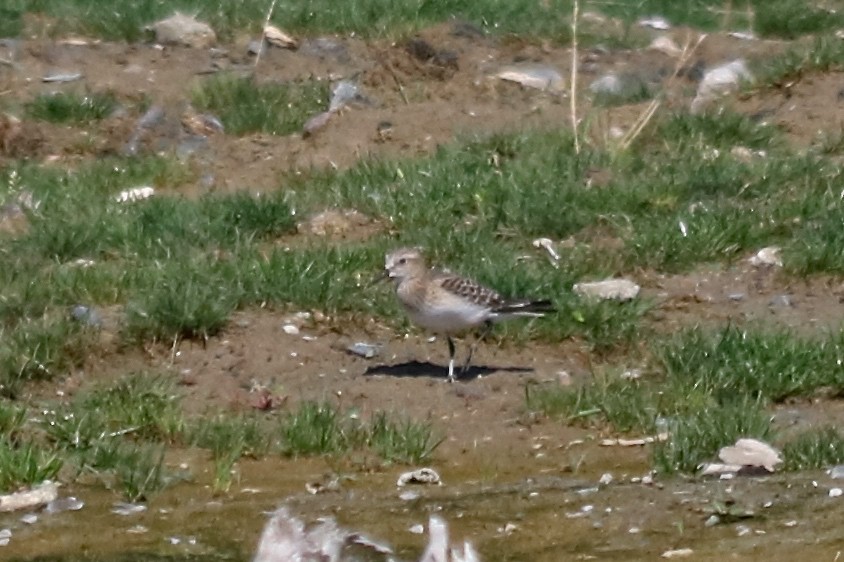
column 87, row 316
column 719, row 81
column 362, row 349
column 181, row 29
column 609, row 289
column 539, row 76
column 69, row 503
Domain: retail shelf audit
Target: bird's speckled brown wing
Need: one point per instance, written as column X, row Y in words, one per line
column 469, row 290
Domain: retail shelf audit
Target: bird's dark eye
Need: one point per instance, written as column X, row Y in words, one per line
column 402, row 261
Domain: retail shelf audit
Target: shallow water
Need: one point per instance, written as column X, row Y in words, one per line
column 549, row 515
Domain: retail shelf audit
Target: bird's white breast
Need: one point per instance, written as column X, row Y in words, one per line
column 447, row 318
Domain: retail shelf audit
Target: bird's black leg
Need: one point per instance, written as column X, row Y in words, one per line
column 484, row 333
column 450, row 358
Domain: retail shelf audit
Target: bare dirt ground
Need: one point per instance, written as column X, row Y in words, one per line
column 492, row 448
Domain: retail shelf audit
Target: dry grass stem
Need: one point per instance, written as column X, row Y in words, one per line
column 574, row 124
column 266, row 23
column 646, row 116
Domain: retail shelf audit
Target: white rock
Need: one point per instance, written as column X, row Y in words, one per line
column 631, row 375
column 135, row 194
column 42, row 494
column 719, row 81
column 678, row 553
column 743, row 35
column 767, row 256
column 751, row 452
column 290, row 329
column 718, row 469
column 666, row 46
column 419, row 476
column 835, row 492
column 616, row 132
column 417, row 529
column 279, row 38
column 181, row 29
column 541, row 77
column 608, row 84
column 655, row 22
column 609, row 289
column 745, row 154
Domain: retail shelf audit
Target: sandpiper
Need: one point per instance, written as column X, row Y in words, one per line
column 448, row 304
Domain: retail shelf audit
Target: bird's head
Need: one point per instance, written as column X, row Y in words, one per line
column 404, row 263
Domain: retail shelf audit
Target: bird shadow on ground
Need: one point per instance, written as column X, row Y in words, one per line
column 426, row 369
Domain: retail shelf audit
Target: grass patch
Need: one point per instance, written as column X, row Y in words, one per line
column 11, row 19
column 316, row 429
column 404, row 441
column 624, row 405
column 71, row 107
column 181, row 266
column 369, row 18
column 141, row 473
column 24, row 464
column 229, row 439
column 364, row 17
column 707, row 389
column 39, row 349
column 12, row 418
column 183, row 302
column 697, row 437
column 789, row 19
column 625, row 89
column 825, row 53
column 246, row 107
column 772, row 366
column 119, row 433
column 818, row 448
column 320, row 429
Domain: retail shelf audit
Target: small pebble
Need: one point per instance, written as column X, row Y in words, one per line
column 5, row 536
column 290, row 329
column 64, row 504
column 60, row 77
column 363, row 349
column 417, row 529
column 783, row 301
column 86, row 315
column 743, row 530
column 123, row 508
column 835, row 492
column 29, row 519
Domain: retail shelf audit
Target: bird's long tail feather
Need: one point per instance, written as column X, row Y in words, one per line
column 526, row 308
